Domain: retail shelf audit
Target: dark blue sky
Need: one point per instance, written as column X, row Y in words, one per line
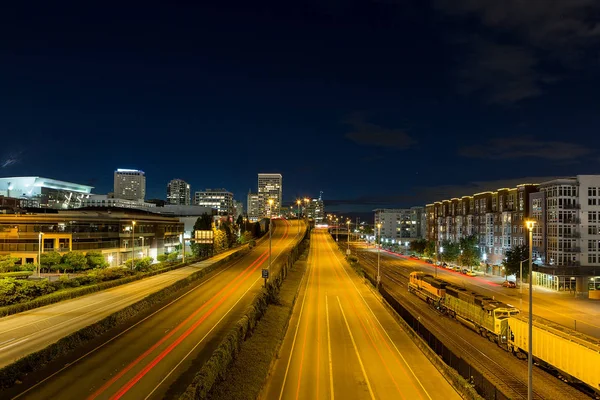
column 380, row 103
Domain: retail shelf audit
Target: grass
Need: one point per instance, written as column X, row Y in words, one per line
column 261, row 348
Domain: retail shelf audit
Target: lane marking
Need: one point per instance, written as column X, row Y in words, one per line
column 9, row 340
column 318, row 322
column 287, row 368
column 201, row 340
column 379, row 323
column 13, row 344
column 362, row 367
column 214, row 276
column 329, row 347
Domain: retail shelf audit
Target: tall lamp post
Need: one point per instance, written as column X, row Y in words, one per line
column 132, row 244
column 440, row 258
column 378, row 252
column 40, row 236
column 348, row 238
column 521, row 277
column 270, row 234
column 142, row 252
column 298, row 202
column 530, row 225
column 337, row 228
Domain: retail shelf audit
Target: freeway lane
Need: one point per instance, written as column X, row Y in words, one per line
column 555, row 307
column 343, row 343
column 33, row 330
column 157, row 357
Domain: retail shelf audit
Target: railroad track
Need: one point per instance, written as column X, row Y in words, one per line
column 511, row 385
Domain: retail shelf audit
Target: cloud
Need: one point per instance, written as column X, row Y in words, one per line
column 526, row 146
column 520, row 39
column 369, row 134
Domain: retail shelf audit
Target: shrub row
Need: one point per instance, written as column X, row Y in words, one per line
column 17, row 274
column 216, row 367
column 10, row 374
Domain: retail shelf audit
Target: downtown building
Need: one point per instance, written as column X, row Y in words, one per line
column 269, row 187
column 219, row 199
column 315, row 210
column 252, row 207
column 178, row 192
column 401, row 224
column 129, row 184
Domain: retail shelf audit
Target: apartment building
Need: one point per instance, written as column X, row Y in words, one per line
column 219, row 199
column 401, row 223
column 129, row 184
column 252, row 206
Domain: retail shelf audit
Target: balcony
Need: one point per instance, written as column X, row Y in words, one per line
column 570, row 221
column 574, row 235
column 571, row 206
column 571, row 250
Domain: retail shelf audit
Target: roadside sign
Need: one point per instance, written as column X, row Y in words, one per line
column 348, row 252
column 265, row 273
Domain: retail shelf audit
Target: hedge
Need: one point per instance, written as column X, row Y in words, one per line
column 10, row 374
column 16, row 275
column 216, row 367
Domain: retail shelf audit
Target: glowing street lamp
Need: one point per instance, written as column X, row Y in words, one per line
column 348, row 238
column 270, row 235
column 132, row 244
column 530, row 225
column 298, row 202
column 378, row 253
column 440, row 258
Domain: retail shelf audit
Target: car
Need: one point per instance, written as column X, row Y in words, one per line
column 471, row 273
column 414, row 257
column 428, row 261
column 464, row 271
column 509, row 284
column 445, row 265
column 456, row 268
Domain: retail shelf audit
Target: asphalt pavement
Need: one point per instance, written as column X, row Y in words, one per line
column 158, row 356
column 343, row 343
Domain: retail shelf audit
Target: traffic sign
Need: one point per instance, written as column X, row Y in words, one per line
column 265, row 273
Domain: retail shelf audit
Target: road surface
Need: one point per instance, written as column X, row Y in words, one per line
column 342, row 343
column 159, row 355
column 33, row 330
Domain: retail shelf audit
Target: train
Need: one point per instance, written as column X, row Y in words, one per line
column 574, row 357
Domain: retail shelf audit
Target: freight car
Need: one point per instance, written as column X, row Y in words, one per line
column 574, row 356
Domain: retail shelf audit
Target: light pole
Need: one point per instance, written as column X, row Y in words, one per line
column 298, row 202
column 530, row 225
column 132, row 244
column 378, row 252
column 40, row 235
column 521, row 277
column 440, row 258
column 270, row 234
column 337, row 229
column 348, row 238
column 182, row 248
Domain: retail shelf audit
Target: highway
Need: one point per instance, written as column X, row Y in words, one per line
column 342, row 343
column 502, row 368
column 158, row 356
column 33, row 330
column 558, row 308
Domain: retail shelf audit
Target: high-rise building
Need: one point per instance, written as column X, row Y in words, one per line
column 400, row 223
column 35, row 191
column 219, row 199
column 315, row 209
column 238, row 208
column 252, row 206
column 269, row 187
column 178, row 192
column 130, row 184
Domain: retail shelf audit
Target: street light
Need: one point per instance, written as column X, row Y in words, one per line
column 440, row 258
column 270, row 234
column 530, row 225
column 521, row 277
column 298, row 202
column 337, row 229
column 348, row 238
column 142, row 252
column 378, row 253
column 40, row 235
column 132, row 244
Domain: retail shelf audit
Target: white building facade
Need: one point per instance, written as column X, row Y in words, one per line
column 130, row 184
column 102, row 200
column 36, row 191
column 178, row 192
column 269, row 187
column 219, row 199
column 399, row 224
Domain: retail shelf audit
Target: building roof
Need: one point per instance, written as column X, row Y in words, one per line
column 89, row 213
column 25, row 182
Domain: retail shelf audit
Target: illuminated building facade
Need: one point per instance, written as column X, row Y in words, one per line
column 35, row 191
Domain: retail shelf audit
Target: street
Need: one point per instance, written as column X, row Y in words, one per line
column 343, row 343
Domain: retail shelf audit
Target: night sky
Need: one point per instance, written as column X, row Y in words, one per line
column 379, row 103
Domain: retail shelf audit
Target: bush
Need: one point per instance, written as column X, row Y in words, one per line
column 95, row 259
column 172, row 257
column 352, row 259
column 50, row 259
column 16, row 275
column 162, row 257
column 75, row 260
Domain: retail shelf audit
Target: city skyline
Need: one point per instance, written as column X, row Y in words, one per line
column 395, row 96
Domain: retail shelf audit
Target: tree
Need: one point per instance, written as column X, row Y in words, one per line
column 75, row 260
column 256, row 230
column 418, row 246
column 451, row 251
column 240, row 221
column 95, row 259
column 245, row 237
column 514, row 256
column 230, row 238
column 220, row 240
column 470, row 253
column 7, row 263
column 50, row 259
column 203, row 223
column 429, row 248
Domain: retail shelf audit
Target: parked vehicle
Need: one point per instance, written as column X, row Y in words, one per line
column 428, row 261
column 415, row 257
column 471, row 273
column 509, row 284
